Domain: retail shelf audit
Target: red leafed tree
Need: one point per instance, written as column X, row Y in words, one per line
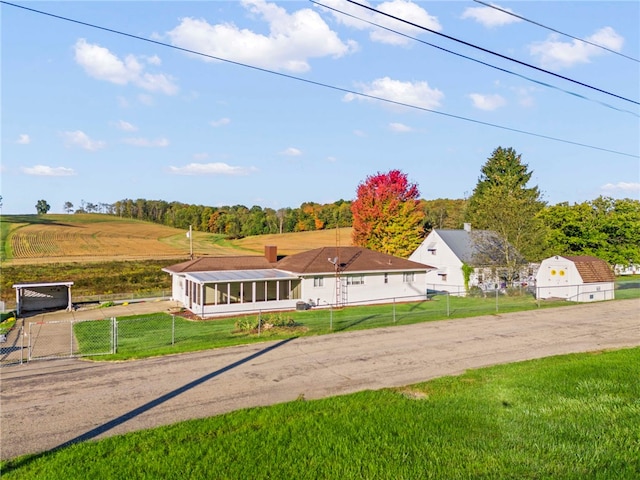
column 386, row 214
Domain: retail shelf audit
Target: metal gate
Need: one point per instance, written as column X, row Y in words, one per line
column 59, row 339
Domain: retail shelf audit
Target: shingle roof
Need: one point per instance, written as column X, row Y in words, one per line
column 349, row 259
column 592, row 269
column 319, row 260
column 475, row 247
column 217, row 264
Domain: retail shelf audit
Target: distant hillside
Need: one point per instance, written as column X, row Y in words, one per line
column 28, row 239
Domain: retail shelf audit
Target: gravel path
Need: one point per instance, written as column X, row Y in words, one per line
column 48, row 404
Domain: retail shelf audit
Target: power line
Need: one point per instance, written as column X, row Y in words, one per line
column 319, row 84
column 495, row 7
column 544, row 84
column 491, row 52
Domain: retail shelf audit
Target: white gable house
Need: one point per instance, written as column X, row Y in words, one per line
column 449, row 250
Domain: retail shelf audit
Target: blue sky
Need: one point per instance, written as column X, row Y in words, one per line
column 90, row 115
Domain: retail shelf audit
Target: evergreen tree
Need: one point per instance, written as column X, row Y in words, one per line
column 503, row 202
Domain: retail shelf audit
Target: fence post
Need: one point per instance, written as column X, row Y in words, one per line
column 497, row 299
column 331, row 318
column 448, row 311
column 21, row 343
column 259, row 321
column 173, row 330
column 29, row 344
column 114, row 321
column 394, row 310
column 71, row 339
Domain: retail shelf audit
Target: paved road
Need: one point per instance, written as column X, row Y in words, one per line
column 49, row 404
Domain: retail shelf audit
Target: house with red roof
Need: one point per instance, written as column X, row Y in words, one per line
column 322, row 277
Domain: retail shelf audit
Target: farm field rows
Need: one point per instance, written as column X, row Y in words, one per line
column 30, row 239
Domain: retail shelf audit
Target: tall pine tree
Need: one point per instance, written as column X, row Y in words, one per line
column 386, row 214
column 503, row 202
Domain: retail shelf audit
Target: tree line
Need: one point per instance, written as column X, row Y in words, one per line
column 388, row 215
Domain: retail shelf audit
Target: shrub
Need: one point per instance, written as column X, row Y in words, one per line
column 476, row 291
column 266, row 321
column 6, row 325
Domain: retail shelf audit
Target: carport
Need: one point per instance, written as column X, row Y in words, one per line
column 42, row 296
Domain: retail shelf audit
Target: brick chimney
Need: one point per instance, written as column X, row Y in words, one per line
column 271, row 253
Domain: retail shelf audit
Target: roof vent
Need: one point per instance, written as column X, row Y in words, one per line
column 467, row 227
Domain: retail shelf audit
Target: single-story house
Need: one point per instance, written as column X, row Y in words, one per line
column 575, row 278
column 322, row 277
column 449, row 250
column 32, row 297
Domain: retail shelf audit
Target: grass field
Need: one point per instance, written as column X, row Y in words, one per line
column 103, row 255
column 146, row 336
column 566, row 417
column 28, row 239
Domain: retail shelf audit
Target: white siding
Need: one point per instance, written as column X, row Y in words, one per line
column 448, row 275
column 558, row 277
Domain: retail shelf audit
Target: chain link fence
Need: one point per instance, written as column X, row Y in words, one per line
column 165, row 333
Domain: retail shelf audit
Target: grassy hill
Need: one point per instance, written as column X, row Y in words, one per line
column 103, row 254
column 29, row 239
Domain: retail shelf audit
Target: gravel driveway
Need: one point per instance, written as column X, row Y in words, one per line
column 49, row 404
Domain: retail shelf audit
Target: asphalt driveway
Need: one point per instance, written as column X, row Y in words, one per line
column 49, row 404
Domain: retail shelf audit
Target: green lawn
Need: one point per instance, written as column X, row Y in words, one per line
column 158, row 334
column 566, row 417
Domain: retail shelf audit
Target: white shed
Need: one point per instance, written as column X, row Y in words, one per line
column 42, row 296
column 575, row 278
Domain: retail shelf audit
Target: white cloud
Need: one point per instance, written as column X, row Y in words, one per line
column 80, row 139
column 292, row 40
column 153, row 60
column 490, row 17
column 553, row 53
column 399, row 127
column 23, row 139
column 220, row 122
column 126, row 126
column 403, row 9
column 217, row 168
column 145, row 99
column 45, row 171
column 410, row 93
column 332, row 159
column 487, row 102
column 145, row 142
column 359, row 133
column 291, row 152
column 98, row 62
column 200, row 156
column 626, row 187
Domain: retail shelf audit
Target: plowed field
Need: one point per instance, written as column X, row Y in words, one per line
column 32, row 239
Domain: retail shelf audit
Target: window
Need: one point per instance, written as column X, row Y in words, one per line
column 408, row 277
column 318, row 281
column 355, row 280
column 386, row 278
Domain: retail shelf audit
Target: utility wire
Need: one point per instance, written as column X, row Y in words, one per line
column 320, row 84
column 544, row 84
column 491, row 52
column 495, row 7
